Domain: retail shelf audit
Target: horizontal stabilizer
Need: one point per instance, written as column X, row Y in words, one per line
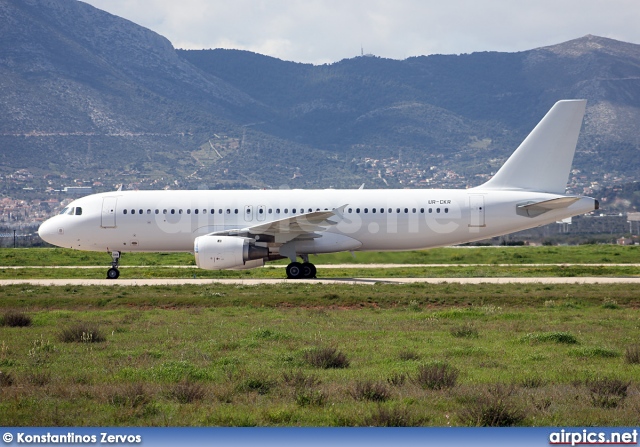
column 534, row 209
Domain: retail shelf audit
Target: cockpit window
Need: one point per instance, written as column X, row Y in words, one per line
column 78, row 211
column 71, row 210
column 64, row 210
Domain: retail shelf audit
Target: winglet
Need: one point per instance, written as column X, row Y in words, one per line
column 543, row 161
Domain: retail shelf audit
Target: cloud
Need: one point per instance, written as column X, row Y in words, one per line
column 321, row 31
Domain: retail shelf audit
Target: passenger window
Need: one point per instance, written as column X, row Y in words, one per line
column 173, row 211
column 179, row 211
column 189, row 211
column 140, row 211
column 373, row 210
column 421, row 210
column 148, row 211
column 358, row 210
column 196, row 211
column 157, row 211
column 310, row 210
column 398, row 210
column 437, row 210
column 236, row 211
column 164, row 211
column 414, row 211
column 381, row 210
column 293, row 211
column 350, row 210
column 124, row 211
column 270, row 211
column 286, row 210
column 406, row 210
column 260, row 211
column 366, row 210
column 390, row 210
column 446, row 210
column 430, row 210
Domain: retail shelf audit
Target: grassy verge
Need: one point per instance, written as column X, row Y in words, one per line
column 583, row 254
column 313, row 355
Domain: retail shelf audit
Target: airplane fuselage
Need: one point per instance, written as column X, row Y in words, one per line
column 139, row 221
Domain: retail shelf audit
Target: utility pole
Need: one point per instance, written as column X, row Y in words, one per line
column 14, row 238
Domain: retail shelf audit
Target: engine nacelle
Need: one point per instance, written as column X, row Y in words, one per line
column 228, row 252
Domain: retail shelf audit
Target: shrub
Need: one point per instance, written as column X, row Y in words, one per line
column 408, row 355
column 493, row 408
column 81, row 333
column 15, row 319
column 300, row 379
column 132, row 396
column 6, row 379
column 369, row 390
column 39, row 378
column 326, row 358
column 465, row 331
column 532, row 382
column 305, row 397
column 436, row 376
column 187, row 392
column 261, row 385
column 553, row 337
column 397, row 379
column 607, row 393
column 632, row 354
column 392, row 417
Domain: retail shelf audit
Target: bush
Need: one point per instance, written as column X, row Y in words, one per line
column 369, row 390
column 465, row 331
column 392, row 417
column 553, row 337
column 261, row 385
column 436, row 376
column 305, row 397
column 632, row 354
column 397, row 379
column 131, row 396
column 326, row 358
column 607, row 393
column 6, row 379
column 300, row 379
column 492, row 409
column 81, row 333
column 408, row 355
column 187, row 392
column 15, row 319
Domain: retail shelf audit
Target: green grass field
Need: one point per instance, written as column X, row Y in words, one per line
column 445, row 354
column 457, row 262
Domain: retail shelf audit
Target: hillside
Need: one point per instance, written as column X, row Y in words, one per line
column 88, row 97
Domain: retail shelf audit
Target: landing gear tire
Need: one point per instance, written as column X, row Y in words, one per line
column 308, row 270
column 294, row 271
column 113, row 272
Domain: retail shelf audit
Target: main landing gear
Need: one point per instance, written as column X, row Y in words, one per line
column 113, row 272
column 304, row 270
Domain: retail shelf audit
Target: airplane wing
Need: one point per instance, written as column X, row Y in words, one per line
column 534, row 209
column 289, row 228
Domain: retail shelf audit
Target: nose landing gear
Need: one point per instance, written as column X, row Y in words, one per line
column 113, row 272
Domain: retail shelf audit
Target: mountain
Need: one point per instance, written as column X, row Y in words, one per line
column 96, row 98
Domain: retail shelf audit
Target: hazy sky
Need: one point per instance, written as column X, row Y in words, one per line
column 321, row 31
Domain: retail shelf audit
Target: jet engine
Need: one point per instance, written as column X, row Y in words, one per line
column 228, row 252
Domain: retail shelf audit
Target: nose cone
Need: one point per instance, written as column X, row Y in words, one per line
column 49, row 231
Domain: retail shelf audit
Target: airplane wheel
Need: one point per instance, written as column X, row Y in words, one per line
column 113, row 273
column 294, row 270
column 308, row 270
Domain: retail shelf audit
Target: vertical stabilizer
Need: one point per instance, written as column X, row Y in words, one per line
column 543, row 161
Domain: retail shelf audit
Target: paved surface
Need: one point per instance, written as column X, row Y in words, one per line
column 319, row 266
column 257, row 281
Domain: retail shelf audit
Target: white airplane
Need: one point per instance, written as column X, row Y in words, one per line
column 243, row 229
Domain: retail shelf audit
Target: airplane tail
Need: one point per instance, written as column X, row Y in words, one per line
column 543, row 161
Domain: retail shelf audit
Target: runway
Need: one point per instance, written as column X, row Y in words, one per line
column 363, row 281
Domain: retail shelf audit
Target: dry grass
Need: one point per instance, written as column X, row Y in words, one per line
column 326, row 358
column 436, row 376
